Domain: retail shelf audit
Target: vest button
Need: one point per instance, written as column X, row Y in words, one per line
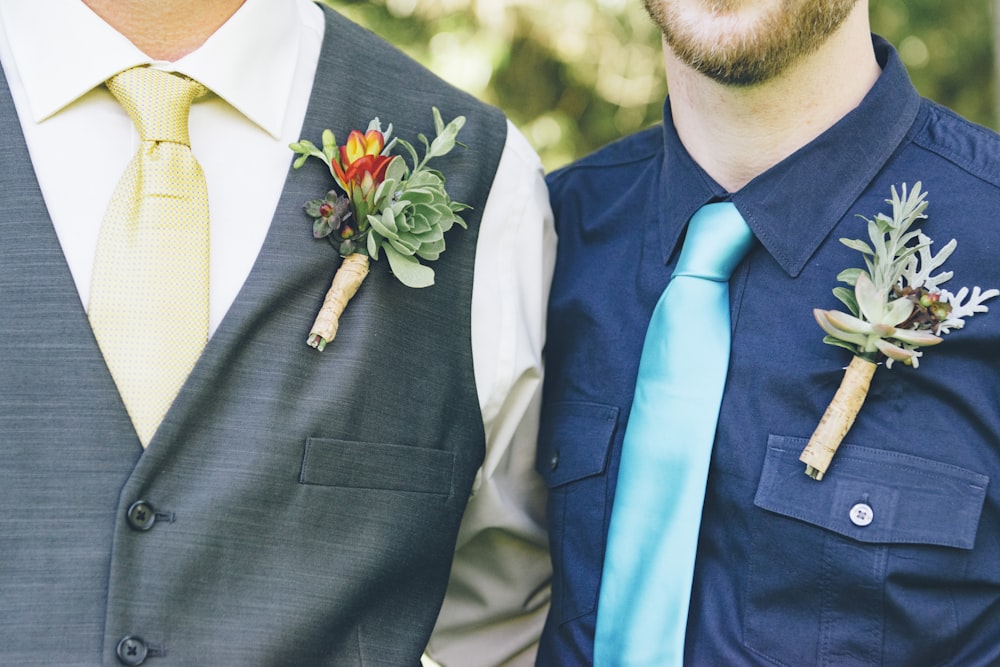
column 141, row 516
column 131, row 651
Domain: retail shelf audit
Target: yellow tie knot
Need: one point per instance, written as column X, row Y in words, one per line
column 158, row 102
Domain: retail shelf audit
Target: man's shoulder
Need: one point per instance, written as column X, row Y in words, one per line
column 385, row 71
column 627, row 155
column 971, row 148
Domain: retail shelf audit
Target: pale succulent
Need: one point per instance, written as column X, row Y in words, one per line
column 412, row 225
column 896, row 305
column 417, row 210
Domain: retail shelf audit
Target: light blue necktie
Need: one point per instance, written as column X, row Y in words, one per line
column 646, row 586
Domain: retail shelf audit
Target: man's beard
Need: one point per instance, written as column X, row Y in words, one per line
column 762, row 52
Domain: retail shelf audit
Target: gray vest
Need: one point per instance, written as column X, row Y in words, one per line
column 295, row 507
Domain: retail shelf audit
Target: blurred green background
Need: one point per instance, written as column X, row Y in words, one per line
column 575, row 74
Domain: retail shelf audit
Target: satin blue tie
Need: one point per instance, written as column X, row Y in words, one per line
column 649, row 564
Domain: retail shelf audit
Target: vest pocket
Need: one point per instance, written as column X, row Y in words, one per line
column 574, row 443
column 375, row 465
column 868, row 558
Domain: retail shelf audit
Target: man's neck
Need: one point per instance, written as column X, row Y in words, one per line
column 165, row 29
column 737, row 133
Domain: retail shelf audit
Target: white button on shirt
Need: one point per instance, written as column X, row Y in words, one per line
column 862, row 515
column 259, row 67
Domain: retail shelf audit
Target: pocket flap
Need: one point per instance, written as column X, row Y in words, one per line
column 875, row 496
column 574, row 441
column 376, row 465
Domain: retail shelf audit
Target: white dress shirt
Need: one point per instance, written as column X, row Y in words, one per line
column 260, row 65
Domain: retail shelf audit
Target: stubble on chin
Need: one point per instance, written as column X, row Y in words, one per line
column 741, row 52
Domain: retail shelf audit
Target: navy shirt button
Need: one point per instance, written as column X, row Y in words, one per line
column 131, row 651
column 554, row 461
column 862, row 515
column 141, row 515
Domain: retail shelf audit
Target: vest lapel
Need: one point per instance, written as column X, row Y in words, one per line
column 46, row 325
column 30, row 245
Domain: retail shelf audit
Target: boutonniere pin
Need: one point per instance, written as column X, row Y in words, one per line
column 896, row 307
column 382, row 205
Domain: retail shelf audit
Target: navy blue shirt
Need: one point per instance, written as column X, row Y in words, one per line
column 783, row 576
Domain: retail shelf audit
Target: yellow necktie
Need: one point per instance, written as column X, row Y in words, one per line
column 149, row 292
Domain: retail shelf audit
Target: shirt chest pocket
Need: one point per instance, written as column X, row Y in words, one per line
column 870, row 556
column 573, row 456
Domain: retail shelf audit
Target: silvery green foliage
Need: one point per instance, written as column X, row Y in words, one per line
column 960, row 310
column 416, row 209
column 886, row 298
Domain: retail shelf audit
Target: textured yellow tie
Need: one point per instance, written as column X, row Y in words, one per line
column 149, row 292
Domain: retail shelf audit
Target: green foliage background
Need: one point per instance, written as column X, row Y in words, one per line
column 575, row 74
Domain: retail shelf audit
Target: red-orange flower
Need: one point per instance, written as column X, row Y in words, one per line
column 361, row 168
column 358, row 145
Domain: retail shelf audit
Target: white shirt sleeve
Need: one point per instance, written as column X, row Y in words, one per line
column 499, row 590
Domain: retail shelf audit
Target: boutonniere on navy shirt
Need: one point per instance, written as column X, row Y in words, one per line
column 382, row 205
column 896, row 309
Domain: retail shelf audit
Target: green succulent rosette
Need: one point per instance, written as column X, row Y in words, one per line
column 412, row 224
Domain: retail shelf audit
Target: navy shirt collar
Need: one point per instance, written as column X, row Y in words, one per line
column 794, row 205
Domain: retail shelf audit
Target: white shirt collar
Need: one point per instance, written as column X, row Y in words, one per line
column 249, row 62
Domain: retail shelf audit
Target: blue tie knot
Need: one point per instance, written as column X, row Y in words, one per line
column 717, row 240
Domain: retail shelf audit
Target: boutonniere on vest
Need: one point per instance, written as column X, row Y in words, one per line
column 896, row 307
column 382, row 205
